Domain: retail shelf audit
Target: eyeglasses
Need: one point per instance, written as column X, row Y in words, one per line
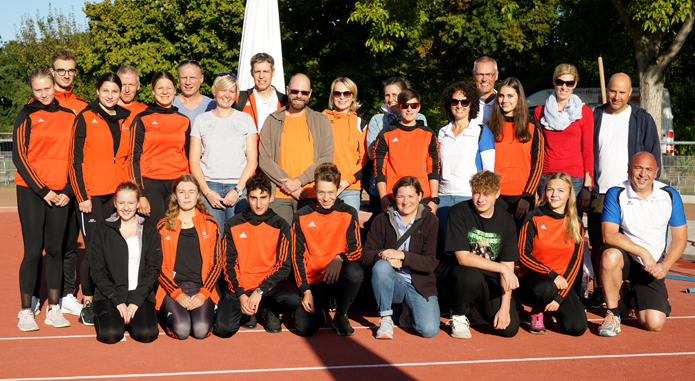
column 71, row 72
column 345, row 94
column 480, row 75
column 414, row 105
column 559, row 83
column 463, row 102
column 304, row 92
column 226, row 74
column 189, row 62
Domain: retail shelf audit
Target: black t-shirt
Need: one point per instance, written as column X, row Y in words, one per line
column 492, row 238
column 189, row 261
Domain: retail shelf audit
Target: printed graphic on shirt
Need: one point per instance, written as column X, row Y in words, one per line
column 486, row 245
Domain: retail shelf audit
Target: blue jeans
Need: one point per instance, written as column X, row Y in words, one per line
column 222, row 215
column 445, row 204
column 352, row 197
column 389, row 287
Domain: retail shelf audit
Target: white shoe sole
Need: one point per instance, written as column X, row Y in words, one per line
column 462, row 336
column 70, row 311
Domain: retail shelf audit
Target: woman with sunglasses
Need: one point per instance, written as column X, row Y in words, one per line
column 349, row 153
column 518, row 149
column 407, row 147
column 392, row 87
column 224, row 151
column 568, row 128
column 465, row 148
column 160, row 148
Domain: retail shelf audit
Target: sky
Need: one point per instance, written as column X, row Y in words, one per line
column 13, row 10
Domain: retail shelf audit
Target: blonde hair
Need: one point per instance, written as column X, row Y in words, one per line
column 572, row 230
column 225, row 82
column 173, row 210
column 566, row 68
column 352, row 86
column 41, row 72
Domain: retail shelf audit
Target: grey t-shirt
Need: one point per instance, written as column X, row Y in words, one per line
column 207, row 104
column 223, row 155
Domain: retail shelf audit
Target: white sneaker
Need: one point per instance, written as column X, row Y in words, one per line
column 459, row 327
column 26, row 321
column 55, row 318
column 70, row 305
column 36, row 305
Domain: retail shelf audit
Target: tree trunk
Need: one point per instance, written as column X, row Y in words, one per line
column 651, row 93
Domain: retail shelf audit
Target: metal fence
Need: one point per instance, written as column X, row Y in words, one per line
column 7, row 168
column 679, row 172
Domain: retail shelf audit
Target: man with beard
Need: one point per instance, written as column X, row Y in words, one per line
column 294, row 140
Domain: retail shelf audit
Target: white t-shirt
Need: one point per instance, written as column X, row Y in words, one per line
column 484, row 111
column 462, row 156
column 133, row 262
column 264, row 107
column 612, row 150
column 223, row 140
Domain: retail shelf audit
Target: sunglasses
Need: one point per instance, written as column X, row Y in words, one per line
column 462, row 102
column 304, row 92
column 345, row 94
column 226, row 74
column 559, row 83
column 414, row 106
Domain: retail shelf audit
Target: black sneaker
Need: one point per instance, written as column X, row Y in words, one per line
column 87, row 314
column 596, row 298
column 272, row 323
column 342, row 325
column 249, row 322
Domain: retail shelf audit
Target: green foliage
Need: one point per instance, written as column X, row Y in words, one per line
column 660, row 15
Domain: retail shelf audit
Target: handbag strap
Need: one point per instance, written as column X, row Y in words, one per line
column 407, row 233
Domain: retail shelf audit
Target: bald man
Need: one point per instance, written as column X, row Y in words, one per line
column 294, row 140
column 621, row 129
column 636, row 218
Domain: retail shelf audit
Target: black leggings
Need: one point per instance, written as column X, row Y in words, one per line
column 472, row 285
column 102, row 208
column 43, row 227
column 345, row 290
column 511, row 203
column 110, row 326
column 72, row 234
column 538, row 290
column 283, row 298
column 157, row 193
column 180, row 322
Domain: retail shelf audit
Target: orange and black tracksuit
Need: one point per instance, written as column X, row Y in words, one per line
column 94, row 171
column 319, row 236
column 407, row 151
column 123, row 157
column 519, row 164
column 159, row 154
column 545, row 255
column 71, row 101
column 349, row 150
column 41, row 154
column 247, row 104
column 258, row 257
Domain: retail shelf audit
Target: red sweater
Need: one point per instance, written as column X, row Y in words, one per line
column 572, row 149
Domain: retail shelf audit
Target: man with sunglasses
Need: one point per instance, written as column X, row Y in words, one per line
column 294, row 140
column 485, row 75
column 191, row 102
column 262, row 99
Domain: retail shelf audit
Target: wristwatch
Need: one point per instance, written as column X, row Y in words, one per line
column 259, row 291
column 239, row 191
column 435, row 200
column 588, row 187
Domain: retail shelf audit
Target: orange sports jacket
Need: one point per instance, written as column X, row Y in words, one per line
column 250, row 107
column 71, row 101
column 123, row 158
column 520, row 164
column 349, row 150
column 210, row 251
column 96, row 142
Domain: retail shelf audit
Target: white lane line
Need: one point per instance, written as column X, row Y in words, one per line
column 359, row 366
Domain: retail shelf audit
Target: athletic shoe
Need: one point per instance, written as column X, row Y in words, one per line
column 36, row 305
column 26, row 321
column 342, row 325
column 537, row 325
column 249, row 322
column 87, row 314
column 404, row 319
column 272, row 323
column 70, row 305
column 610, row 326
column 460, row 326
column 385, row 330
column 596, row 298
column 55, row 318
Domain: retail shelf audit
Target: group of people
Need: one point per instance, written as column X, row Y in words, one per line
column 201, row 214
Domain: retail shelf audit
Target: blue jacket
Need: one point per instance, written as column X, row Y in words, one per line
column 643, row 136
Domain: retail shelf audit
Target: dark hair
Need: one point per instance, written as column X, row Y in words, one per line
column 407, row 181
column 470, row 92
column 262, row 57
column 258, row 181
column 327, row 172
column 401, row 82
column 521, row 115
column 126, row 186
column 189, row 62
column 162, row 74
column 41, row 71
column 64, row 55
column 109, row 77
column 408, row 94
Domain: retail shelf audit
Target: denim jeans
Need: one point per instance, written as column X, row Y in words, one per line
column 445, row 204
column 389, row 287
column 352, row 197
column 222, row 215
